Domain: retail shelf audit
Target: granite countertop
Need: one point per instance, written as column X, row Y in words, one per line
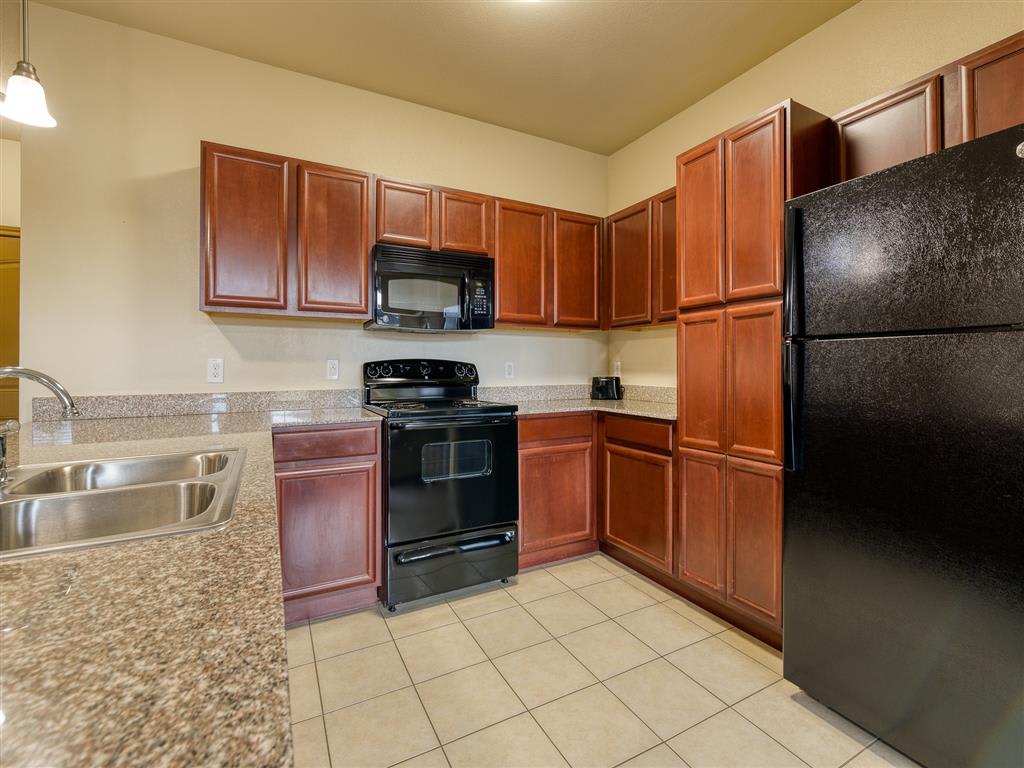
column 167, row 651
column 664, row 411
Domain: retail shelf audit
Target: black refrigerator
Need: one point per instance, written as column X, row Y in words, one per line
column 903, row 560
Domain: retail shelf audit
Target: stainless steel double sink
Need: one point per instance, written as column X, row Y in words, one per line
column 52, row 507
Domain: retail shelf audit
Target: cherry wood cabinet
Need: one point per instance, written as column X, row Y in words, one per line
column 754, row 185
column 576, row 270
column 405, row 214
column 992, row 88
column 702, row 524
column 701, row 378
column 556, row 488
column 521, row 262
column 629, row 240
column 897, row 126
column 754, row 538
column 753, row 367
column 333, row 239
column 329, row 518
column 699, row 201
column 246, row 225
column 466, row 221
column 664, row 280
column 637, row 488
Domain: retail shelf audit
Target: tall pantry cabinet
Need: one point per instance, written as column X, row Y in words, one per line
column 729, row 208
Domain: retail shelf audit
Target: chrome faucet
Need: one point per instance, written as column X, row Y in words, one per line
column 11, row 426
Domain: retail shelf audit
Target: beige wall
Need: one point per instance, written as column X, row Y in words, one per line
column 10, row 183
column 868, row 49
column 111, row 213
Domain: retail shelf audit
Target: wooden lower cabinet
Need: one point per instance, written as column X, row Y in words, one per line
column 702, row 534
column 329, row 515
column 754, row 538
column 637, row 503
column 556, row 489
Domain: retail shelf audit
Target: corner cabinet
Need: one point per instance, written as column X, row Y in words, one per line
column 630, row 249
column 283, row 236
column 556, row 487
column 329, row 518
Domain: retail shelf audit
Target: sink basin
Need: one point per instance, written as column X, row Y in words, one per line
column 79, row 504
column 116, row 473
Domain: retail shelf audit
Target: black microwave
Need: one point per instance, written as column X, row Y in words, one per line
column 431, row 291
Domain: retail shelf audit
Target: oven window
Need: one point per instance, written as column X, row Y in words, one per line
column 454, row 461
column 434, row 295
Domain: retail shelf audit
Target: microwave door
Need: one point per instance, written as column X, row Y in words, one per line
column 419, row 301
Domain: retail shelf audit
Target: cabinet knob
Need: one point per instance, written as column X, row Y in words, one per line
column 1020, row 150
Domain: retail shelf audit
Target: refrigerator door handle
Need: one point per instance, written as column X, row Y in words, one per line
column 792, row 296
column 792, row 366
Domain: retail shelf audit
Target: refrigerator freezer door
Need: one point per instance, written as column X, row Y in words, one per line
column 904, row 525
column 935, row 243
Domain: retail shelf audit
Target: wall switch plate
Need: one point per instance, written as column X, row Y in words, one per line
column 510, row 371
column 215, row 370
column 332, row 370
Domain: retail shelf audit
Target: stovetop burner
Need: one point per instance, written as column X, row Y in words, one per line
column 425, row 388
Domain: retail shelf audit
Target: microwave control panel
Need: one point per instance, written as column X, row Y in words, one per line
column 479, row 298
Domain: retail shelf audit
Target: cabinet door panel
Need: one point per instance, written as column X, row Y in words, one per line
column 334, row 240
column 521, row 260
column 702, row 519
column 699, row 225
column 405, row 214
column 629, row 265
column 577, row 270
column 701, row 379
column 556, row 502
column 891, row 129
column 245, row 228
column 754, row 525
column 754, row 381
column 637, row 503
column 466, row 222
column 329, row 520
column 664, row 288
column 992, row 89
column 754, row 184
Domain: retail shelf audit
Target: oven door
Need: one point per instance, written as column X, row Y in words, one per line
column 450, row 476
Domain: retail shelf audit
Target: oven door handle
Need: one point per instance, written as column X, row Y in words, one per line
column 486, row 542
column 427, row 424
column 426, row 553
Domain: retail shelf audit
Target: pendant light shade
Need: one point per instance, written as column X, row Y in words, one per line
column 25, row 100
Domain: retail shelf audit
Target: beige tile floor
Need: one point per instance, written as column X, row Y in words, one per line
column 579, row 663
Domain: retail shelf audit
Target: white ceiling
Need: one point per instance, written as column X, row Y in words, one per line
column 593, row 74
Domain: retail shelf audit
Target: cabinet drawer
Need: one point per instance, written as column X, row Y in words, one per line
column 538, row 429
column 306, row 445
column 651, row 434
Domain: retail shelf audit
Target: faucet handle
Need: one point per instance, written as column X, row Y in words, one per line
column 9, row 427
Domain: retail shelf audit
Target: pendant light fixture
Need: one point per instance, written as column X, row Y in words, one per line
column 25, row 101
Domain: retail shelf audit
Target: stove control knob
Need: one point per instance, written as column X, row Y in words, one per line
column 460, row 370
column 386, row 371
column 425, row 369
column 373, row 371
column 470, row 371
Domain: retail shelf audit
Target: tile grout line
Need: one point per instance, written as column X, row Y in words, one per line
column 762, row 730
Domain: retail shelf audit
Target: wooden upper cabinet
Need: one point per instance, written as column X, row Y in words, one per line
column 900, row 125
column 699, row 222
column 466, row 221
column 663, row 299
column 630, row 244
column 701, row 379
column 521, row 253
column 405, row 214
column 754, row 380
column 637, row 507
column 702, row 533
column 577, row 270
column 329, row 518
column 754, row 189
column 246, row 220
column 754, row 538
column 333, row 240
column 992, row 88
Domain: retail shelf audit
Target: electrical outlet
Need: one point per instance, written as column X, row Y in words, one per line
column 215, row 370
column 332, row 370
column 510, row 371
column 618, row 367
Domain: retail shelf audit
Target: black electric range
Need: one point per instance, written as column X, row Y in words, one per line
column 451, row 478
